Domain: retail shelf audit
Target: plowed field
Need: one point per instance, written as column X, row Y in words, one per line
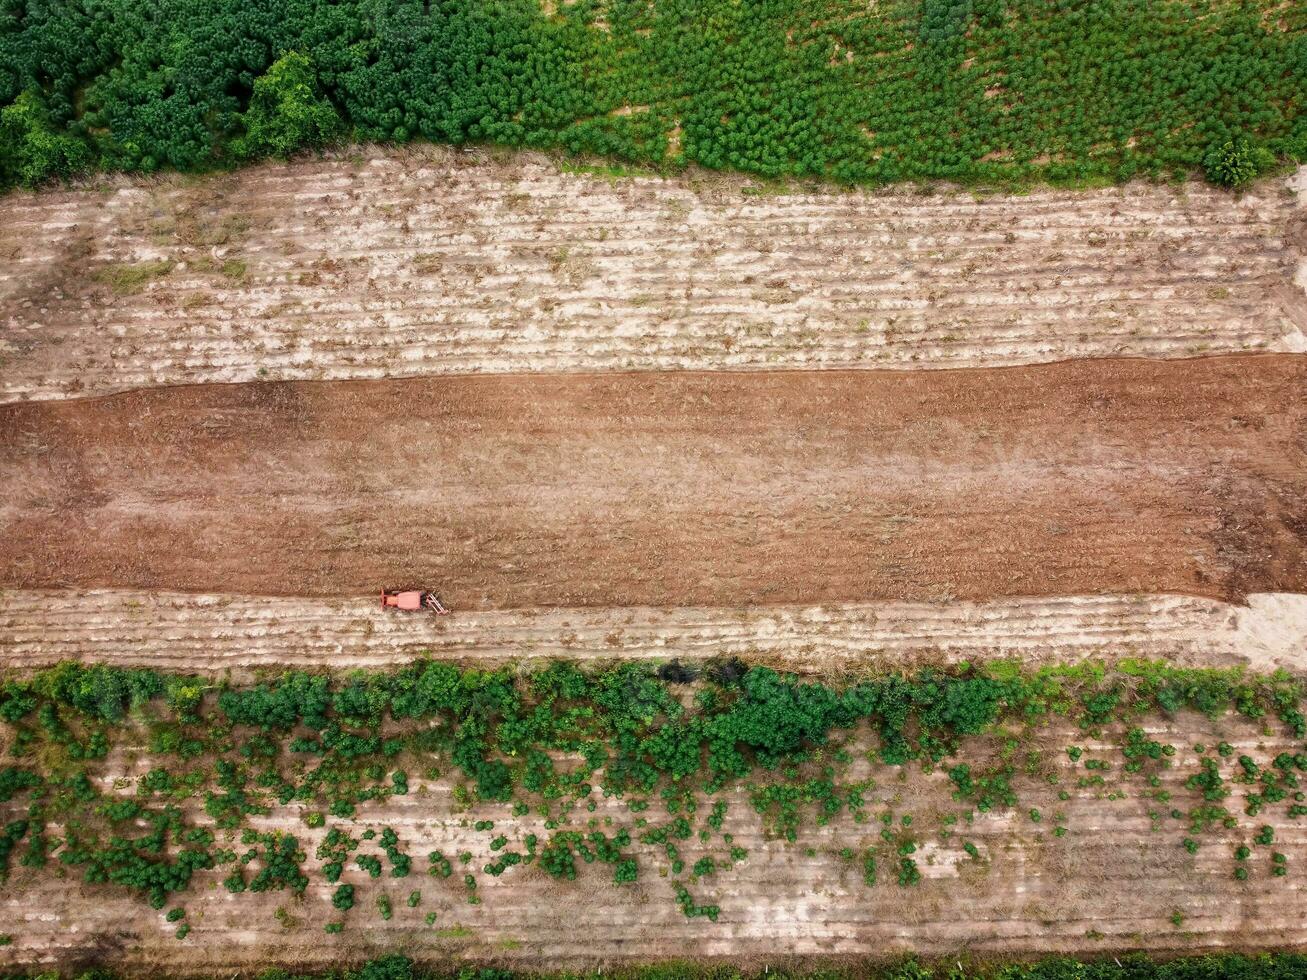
column 680, row 489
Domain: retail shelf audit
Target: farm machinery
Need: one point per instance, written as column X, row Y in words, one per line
column 413, row 601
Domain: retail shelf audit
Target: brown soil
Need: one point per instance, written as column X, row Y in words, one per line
column 681, row 489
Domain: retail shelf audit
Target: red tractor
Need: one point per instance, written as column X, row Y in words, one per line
column 413, row 601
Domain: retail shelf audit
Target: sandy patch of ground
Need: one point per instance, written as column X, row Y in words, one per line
column 427, row 261
column 217, row 633
column 680, row 489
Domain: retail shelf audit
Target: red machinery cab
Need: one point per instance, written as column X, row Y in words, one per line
column 413, row 601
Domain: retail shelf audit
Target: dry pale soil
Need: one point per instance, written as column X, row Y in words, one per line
column 427, row 261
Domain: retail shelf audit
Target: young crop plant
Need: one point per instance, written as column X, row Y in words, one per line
column 343, row 898
column 869, row 868
column 909, row 874
column 625, row 871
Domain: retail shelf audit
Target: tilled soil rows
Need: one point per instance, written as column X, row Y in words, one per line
column 245, row 635
column 673, row 490
column 427, row 261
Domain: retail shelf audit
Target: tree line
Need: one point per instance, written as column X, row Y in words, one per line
column 964, row 90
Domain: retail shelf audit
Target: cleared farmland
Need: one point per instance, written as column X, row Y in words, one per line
column 253, row 634
column 430, row 262
column 469, row 372
column 676, row 489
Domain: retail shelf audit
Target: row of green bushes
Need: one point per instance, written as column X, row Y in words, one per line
column 747, row 716
column 966, row 90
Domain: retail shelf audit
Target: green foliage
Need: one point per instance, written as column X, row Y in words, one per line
column 343, row 898
column 625, row 871
column 301, row 740
column 869, row 869
column 966, row 90
column 14, row 780
column 909, row 874
column 440, row 866
column 1236, row 162
column 287, row 111
column 31, row 151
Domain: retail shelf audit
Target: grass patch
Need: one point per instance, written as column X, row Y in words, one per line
column 129, row 278
column 235, row 269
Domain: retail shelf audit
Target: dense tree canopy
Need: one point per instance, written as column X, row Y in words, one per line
column 901, row 89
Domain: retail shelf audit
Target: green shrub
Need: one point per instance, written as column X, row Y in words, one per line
column 625, row 871
column 1236, row 162
column 343, row 898
column 909, row 874
column 287, row 111
column 31, row 151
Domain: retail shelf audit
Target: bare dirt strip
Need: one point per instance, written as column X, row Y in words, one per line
column 246, row 634
column 427, row 261
column 673, row 490
column 1113, row 883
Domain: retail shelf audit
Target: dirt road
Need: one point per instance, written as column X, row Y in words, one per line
column 680, row 489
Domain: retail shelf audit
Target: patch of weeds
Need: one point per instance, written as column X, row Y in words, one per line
column 235, row 270
column 129, row 278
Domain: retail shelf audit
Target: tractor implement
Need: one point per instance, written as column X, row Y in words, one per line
column 413, row 601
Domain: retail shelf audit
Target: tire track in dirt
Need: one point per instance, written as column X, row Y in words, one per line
column 431, row 262
column 675, row 490
column 220, row 633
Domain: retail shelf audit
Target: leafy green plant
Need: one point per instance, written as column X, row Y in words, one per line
column 32, row 151
column 287, row 111
column 1236, row 162
column 343, row 898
